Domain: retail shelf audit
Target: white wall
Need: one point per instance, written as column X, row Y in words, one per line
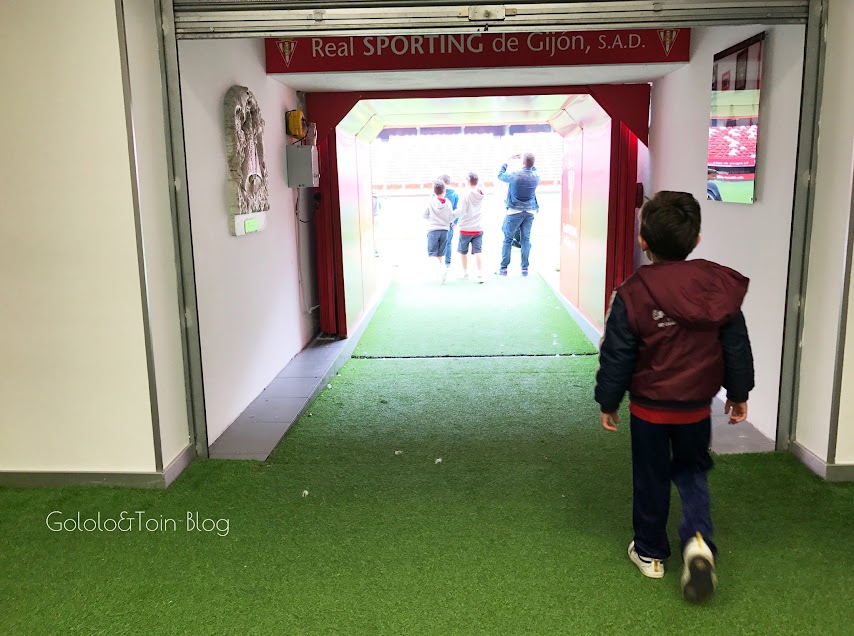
column 845, row 436
column 251, row 315
column 147, row 95
column 74, row 394
column 644, row 177
column 753, row 239
column 829, row 237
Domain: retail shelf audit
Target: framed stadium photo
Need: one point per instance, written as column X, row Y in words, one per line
column 734, row 122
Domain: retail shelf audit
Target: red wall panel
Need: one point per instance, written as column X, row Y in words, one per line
column 621, row 208
column 597, row 168
column 570, row 217
column 324, row 240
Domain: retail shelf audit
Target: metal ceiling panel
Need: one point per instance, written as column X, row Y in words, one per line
column 198, row 19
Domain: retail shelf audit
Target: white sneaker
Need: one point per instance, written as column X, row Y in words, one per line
column 652, row 568
column 698, row 577
column 444, row 275
column 464, row 276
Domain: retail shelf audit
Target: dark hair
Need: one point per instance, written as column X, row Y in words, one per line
column 438, row 187
column 473, row 178
column 445, row 178
column 670, row 225
column 528, row 159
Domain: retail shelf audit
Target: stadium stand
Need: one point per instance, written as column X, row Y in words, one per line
column 732, row 147
column 410, row 163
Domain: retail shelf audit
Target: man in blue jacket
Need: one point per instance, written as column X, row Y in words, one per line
column 521, row 205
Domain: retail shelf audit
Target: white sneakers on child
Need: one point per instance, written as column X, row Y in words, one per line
column 698, row 576
column 652, row 568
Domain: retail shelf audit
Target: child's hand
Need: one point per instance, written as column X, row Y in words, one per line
column 737, row 411
column 610, row 421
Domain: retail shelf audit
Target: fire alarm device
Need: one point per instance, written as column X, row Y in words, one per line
column 296, row 124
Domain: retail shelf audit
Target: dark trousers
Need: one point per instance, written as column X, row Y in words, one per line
column 662, row 453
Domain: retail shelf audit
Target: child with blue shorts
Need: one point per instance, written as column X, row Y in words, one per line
column 470, row 212
column 439, row 214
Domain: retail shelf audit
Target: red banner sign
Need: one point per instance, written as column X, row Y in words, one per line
column 476, row 50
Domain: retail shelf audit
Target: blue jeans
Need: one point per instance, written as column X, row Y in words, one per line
column 448, row 248
column 519, row 221
column 661, row 453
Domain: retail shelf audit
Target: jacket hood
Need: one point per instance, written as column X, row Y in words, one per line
column 475, row 195
column 439, row 214
column 698, row 293
column 440, row 205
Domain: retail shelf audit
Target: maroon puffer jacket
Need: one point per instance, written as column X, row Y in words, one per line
column 677, row 309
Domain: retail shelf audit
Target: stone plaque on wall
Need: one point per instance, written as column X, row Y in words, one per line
column 244, row 133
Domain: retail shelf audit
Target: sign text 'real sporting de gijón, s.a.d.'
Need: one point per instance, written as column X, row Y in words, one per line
column 476, row 50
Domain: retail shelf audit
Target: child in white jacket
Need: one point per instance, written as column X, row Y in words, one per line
column 470, row 211
column 439, row 214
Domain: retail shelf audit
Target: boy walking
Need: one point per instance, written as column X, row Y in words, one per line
column 439, row 213
column 674, row 335
column 470, row 212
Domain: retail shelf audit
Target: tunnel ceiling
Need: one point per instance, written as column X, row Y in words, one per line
column 370, row 116
column 520, row 109
column 564, row 112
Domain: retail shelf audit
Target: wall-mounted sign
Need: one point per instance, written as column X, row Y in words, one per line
column 242, row 224
column 476, row 50
column 734, row 122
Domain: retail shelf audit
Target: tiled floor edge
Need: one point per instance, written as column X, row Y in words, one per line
column 758, row 442
column 348, row 345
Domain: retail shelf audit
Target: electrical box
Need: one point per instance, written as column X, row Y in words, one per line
column 303, row 170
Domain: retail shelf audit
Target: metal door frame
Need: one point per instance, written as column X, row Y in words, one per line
column 223, row 20
column 204, row 19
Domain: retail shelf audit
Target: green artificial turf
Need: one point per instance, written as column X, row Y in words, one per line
column 503, row 316
column 736, row 191
column 521, row 529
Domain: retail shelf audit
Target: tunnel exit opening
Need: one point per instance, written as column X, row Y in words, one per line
column 591, row 195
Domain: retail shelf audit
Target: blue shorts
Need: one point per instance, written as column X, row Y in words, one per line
column 437, row 241
column 476, row 241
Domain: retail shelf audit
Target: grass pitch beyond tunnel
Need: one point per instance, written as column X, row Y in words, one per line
column 353, row 526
